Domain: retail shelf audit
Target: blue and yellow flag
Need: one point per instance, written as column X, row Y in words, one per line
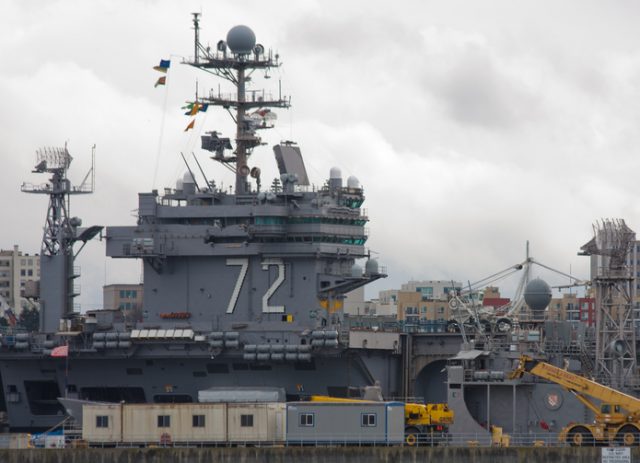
column 164, row 65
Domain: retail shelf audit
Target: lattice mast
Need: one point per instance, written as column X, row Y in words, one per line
column 57, row 289
column 235, row 60
column 610, row 250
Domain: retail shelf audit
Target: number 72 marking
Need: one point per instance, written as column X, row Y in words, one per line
column 244, row 266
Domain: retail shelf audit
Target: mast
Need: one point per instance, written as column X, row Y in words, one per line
column 61, row 232
column 235, row 60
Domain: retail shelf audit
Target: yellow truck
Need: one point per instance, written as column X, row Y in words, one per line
column 617, row 415
column 422, row 421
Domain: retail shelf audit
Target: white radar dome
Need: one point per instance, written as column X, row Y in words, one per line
column 187, row 178
column 353, row 182
column 241, row 40
column 371, row 267
column 356, row 271
column 335, row 172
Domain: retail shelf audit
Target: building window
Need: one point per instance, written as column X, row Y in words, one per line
column 306, row 419
column 164, row 421
column 30, row 272
column 198, row 421
column 368, row 420
column 246, row 421
column 102, row 421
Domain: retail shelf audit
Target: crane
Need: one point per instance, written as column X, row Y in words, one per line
column 617, row 415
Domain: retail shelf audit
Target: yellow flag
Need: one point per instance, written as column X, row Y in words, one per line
column 194, row 109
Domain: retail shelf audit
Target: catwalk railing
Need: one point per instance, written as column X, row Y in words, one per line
column 547, row 439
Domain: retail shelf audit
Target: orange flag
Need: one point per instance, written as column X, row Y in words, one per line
column 194, row 109
column 190, row 126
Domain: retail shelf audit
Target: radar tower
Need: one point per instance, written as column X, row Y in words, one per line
column 235, row 60
column 610, row 249
column 57, row 288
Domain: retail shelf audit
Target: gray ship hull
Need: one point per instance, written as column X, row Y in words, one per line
column 37, row 383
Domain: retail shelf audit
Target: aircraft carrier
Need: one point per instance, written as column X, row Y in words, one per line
column 242, row 287
column 246, row 288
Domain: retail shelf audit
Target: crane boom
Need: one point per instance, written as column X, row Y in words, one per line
column 576, row 383
column 617, row 416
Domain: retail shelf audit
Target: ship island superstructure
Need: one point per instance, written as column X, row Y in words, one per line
column 242, row 288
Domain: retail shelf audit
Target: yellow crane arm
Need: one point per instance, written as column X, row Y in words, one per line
column 576, row 383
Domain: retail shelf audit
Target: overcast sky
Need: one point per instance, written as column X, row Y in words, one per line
column 473, row 126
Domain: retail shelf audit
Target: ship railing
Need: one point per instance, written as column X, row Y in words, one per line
column 441, row 439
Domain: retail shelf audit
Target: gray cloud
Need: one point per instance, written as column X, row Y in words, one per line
column 473, row 127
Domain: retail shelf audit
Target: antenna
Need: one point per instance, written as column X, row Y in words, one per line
column 209, row 185
column 91, row 174
column 196, row 28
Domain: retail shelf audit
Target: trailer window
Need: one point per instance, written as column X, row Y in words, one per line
column 307, row 419
column 246, row 421
column 198, row 421
column 102, row 421
column 368, row 419
column 164, row 421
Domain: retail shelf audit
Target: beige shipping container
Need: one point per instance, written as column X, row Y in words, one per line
column 184, row 423
column 168, row 423
column 102, row 423
column 256, row 422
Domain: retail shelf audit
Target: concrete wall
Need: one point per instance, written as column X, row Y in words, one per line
column 309, row 455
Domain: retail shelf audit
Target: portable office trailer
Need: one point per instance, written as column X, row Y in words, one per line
column 345, row 422
column 265, row 422
column 198, row 423
column 168, row 423
column 164, row 423
column 102, row 423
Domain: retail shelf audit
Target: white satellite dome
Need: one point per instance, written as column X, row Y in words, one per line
column 335, row 172
column 353, row 182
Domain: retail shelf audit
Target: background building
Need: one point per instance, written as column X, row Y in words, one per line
column 125, row 297
column 432, row 289
column 573, row 308
column 16, row 269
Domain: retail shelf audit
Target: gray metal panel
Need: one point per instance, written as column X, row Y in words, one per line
column 290, row 161
column 242, row 394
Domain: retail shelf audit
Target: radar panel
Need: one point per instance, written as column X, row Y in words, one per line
column 289, row 159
